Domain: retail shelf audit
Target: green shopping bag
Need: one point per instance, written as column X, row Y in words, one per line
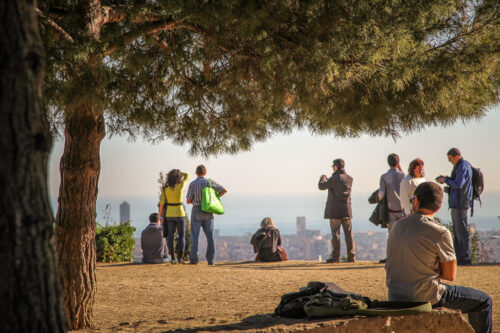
column 210, row 201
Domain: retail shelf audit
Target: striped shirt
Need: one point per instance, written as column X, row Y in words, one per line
column 196, row 187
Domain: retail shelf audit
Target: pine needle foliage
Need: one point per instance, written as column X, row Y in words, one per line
column 220, row 75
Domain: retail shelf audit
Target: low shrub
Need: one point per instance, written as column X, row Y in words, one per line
column 474, row 240
column 115, row 243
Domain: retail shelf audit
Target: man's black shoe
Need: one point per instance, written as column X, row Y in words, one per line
column 382, row 261
column 332, row 261
column 465, row 263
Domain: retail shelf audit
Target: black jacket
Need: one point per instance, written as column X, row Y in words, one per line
column 338, row 203
column 380, row 215
column 266, row 247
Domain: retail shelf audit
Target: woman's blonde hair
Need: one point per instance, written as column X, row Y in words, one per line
column 266, row 222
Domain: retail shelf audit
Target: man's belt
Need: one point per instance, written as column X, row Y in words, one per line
column 174, row 204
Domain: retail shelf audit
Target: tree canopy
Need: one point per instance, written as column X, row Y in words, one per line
column 220, row 75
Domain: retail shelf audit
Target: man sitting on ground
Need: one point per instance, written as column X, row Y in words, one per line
column 420, row 253
column 154, row 246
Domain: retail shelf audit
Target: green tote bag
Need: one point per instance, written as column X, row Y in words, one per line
column 210, row 201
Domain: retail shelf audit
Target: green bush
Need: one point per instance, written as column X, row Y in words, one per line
column 115, row 242
column 474, row 240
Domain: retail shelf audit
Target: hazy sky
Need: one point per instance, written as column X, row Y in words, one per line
column 293, row 163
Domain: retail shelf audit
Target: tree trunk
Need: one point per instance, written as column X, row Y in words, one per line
column 29, row 292
column 76, row 215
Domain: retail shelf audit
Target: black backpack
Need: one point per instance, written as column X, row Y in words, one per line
column 477, row 186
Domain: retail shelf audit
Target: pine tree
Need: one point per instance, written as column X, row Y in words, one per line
column 221, row 75
column 29, row 292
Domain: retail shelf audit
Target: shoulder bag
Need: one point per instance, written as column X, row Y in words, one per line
column 210, row 201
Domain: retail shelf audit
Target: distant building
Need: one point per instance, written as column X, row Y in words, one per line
column 301, row 225
column 124, row 212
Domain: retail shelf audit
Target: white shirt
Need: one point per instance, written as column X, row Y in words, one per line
column 406, row 189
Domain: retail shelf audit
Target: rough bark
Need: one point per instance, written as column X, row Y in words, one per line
column 76, row 214
column 29, row 292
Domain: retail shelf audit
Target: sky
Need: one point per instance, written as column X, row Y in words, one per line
column 293, row 163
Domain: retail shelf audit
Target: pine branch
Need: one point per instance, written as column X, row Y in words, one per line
column 51, row 23
column 461, row 36
column 141, row 30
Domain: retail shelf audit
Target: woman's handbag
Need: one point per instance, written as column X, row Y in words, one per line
column 210, row 201
column 282, row 253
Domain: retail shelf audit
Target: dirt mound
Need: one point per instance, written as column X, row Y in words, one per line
column 241, row 295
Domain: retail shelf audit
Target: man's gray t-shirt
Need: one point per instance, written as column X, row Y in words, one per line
column 415, row 246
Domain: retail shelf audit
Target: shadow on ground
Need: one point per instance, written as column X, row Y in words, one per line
column 290, row 266
column 259, row 321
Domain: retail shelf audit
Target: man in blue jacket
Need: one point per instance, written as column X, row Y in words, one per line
column 459, row 200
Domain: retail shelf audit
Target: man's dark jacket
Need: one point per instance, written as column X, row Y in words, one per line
column 380, row 215
column 338, row 204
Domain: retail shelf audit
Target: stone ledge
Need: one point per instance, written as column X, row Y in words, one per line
column 438, row 321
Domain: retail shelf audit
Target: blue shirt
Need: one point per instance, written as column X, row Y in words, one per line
column 196, row 187
column 460, row 184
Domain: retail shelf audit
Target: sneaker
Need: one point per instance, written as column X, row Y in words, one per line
column 211, row 264
column 193, row 263
column 332, row 261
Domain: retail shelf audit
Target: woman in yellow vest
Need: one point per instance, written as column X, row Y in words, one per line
column 175, row 216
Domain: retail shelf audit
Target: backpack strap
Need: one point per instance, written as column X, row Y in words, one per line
column 261, row 242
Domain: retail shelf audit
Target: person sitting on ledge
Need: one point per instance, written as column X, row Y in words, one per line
column 266, row 240
column 420, row 253
column 154, row 246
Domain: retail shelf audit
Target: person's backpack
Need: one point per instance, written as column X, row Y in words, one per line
column 477, row 186
column 292, row 304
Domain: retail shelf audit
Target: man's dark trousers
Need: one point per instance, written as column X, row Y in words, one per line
column 461, row 240
column 476, row 303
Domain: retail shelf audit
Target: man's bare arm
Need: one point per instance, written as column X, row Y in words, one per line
column 448, row 270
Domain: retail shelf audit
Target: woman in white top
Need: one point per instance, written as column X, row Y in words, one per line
column 409, row 184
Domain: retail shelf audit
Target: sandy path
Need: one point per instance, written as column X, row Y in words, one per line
column 162, row 298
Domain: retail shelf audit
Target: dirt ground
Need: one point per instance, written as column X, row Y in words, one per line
column 236, row 295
